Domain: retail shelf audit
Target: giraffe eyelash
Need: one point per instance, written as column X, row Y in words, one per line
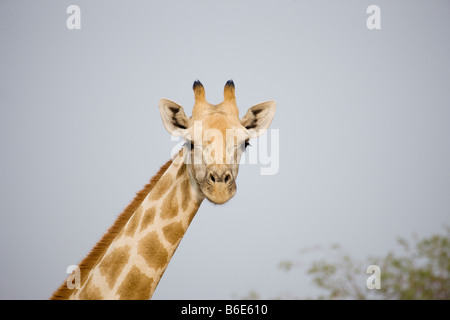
column 245, row 145
column 189, row 144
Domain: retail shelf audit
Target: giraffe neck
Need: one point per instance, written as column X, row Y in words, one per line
column 136, row 258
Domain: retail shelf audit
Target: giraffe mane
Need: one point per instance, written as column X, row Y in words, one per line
column 102, row 245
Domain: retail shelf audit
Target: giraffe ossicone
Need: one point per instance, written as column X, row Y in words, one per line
column 131, row 257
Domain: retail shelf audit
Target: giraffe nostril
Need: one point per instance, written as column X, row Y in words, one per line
column 213, row 178
column 227, row 177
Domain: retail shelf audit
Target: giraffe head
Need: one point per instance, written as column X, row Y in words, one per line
column 215, row 138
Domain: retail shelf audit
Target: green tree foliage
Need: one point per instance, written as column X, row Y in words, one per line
column 420, row 271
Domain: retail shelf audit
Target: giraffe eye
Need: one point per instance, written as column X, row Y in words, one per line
column 245, row 145
column 189, row 144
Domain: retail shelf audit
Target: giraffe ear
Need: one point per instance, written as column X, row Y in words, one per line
column 258, row 118
column 173, row 117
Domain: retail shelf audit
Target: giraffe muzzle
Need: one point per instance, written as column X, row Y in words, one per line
column 219, row 187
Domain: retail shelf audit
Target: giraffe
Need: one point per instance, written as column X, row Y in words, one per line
column 131, row 257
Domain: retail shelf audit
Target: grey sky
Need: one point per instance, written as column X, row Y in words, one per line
column 363, row 119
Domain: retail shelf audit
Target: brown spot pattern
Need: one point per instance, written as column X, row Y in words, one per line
column 134, row 222
column 181, row 171
column 116, row 230
column 112, row 265
column 135, row 286
column 148, row 218
column 185, row 194
column 153, row 251
column 193, row 213
column 90, row 292
column 161, row 187
column 169, row 208
column 174, row 232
